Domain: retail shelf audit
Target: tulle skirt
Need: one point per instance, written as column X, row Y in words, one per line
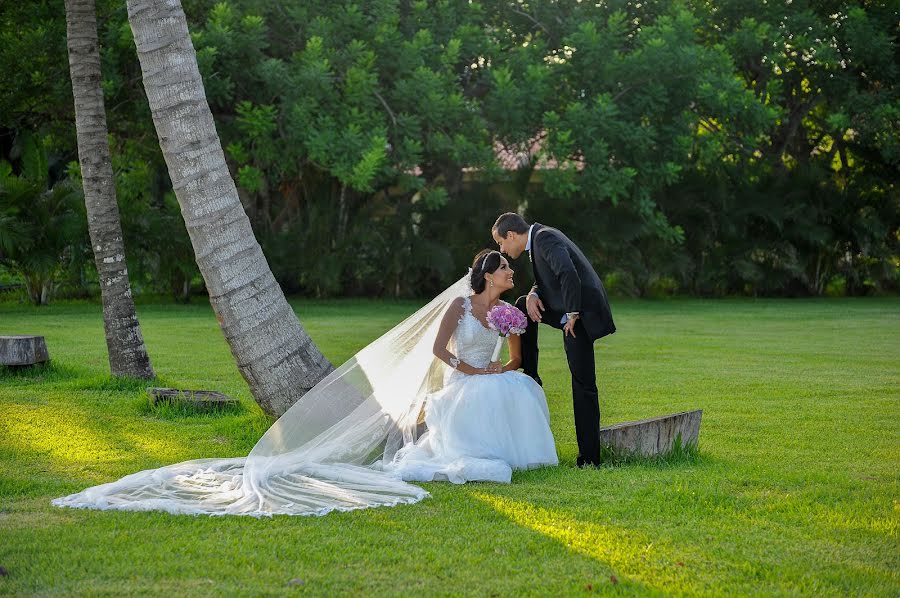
column 480, row 428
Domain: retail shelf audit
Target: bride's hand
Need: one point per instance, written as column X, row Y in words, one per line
column 495, row 367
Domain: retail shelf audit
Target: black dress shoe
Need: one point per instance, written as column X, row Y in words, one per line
column 582, row 463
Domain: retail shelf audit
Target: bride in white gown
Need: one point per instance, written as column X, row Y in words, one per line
column 352, row 440
column 488, row 419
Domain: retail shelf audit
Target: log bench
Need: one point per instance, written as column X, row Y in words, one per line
column 19, row 351
column 652, row 436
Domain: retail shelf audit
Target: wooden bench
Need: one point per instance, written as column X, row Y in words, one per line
column 20, row 351
column 653, row 436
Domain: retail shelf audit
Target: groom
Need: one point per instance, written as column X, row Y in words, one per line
column 567, row 295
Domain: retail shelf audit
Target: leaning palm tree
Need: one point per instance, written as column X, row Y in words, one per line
column 273, row 352
column 124, row 341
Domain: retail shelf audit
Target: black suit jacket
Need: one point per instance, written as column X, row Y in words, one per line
column 566, row 282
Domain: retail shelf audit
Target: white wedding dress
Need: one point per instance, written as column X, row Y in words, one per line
column 480, row 427
column 352, row 440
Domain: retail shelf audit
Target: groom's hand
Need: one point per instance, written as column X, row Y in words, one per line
column 534, row 306
column 569, row 327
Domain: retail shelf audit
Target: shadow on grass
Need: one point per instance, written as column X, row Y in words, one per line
column 53, row 371
column 177, row 410
column 49, row 371
column 625, row 553
column 116, row 383
column 162, row 408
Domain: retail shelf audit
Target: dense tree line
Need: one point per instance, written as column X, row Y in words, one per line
column 706, row 148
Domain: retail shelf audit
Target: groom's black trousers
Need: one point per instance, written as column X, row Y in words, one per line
column 580, row 355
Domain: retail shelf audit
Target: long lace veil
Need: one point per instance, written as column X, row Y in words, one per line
column 327, row 452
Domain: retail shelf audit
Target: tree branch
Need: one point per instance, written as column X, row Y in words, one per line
column 386, row 107
column 644, row 81
column 532, row 19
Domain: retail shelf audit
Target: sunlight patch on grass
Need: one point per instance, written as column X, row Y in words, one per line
column 59, row 435
column 630, row 555
column 164, row 449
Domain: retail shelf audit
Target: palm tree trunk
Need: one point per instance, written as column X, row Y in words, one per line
column 271, row 348
column 124, row 341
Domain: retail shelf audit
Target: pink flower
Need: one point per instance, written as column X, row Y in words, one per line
column 506, row 320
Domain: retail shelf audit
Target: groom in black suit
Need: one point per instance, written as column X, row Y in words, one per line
column 567, row 295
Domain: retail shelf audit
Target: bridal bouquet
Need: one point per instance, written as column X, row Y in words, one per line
column 506, row 320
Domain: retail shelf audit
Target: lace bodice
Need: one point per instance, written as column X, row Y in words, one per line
column 472, row 341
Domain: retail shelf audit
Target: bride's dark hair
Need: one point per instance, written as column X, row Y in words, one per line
column 486, row 262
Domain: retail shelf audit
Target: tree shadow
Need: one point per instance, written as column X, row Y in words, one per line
column 47, row 372
column 639, row 562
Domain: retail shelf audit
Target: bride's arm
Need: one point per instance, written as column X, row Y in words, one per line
column 515, row 353
column 445, row 331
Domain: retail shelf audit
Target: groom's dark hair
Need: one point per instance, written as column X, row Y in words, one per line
column 510, row 222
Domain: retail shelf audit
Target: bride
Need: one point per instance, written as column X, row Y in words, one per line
column 353, row 441
column 488, row 419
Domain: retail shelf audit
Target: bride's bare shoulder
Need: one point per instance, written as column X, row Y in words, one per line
column 457, row 306
column 455, row 311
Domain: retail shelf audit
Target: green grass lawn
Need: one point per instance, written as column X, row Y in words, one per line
column 797, row 489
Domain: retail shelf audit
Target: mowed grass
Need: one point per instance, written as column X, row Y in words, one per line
column 796, row 491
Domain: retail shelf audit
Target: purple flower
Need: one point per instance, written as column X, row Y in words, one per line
column 506, row 320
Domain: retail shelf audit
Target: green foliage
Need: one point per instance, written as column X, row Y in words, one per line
column 814, row 199
column 731, row 147
column 157, row 247
column 43, row 228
